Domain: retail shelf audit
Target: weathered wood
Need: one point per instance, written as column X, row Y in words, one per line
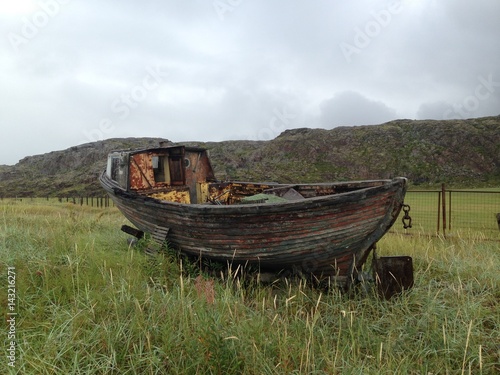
column 329, row 233
column 160, row 234
column 158, row 239
column 132, row 231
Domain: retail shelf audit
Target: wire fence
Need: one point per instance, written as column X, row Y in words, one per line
column 447, row 212
column 98, row 202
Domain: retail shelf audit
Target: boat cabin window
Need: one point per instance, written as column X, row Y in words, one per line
column 168, row 169
column 160, row 170
column 117, row 169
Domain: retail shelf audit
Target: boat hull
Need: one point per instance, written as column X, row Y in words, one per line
column 324, row 236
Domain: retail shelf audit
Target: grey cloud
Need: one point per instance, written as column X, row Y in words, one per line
column 352, row 108
column 228, row 77
column 435, row 110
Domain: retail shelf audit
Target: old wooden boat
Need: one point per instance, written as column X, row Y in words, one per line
column 321, row 229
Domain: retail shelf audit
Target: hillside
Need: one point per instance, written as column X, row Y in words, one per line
column 459, row 152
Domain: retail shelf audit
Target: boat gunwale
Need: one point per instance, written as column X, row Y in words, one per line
column 264, row 207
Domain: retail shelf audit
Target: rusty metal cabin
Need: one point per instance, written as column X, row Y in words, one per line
column 177, row 174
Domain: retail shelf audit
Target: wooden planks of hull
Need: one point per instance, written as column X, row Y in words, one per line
column 320, row 235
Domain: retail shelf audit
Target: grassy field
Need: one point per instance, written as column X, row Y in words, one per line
column 86, row 303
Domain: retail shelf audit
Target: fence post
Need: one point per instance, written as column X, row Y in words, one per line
column 449, row 209
column 443, row 192
column 439, row 212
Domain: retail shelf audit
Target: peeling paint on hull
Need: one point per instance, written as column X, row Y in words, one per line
column 328, row 235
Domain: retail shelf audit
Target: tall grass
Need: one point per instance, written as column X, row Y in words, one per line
column 89, row 304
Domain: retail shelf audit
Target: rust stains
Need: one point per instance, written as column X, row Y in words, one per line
column 179, row 196
column 140, row 174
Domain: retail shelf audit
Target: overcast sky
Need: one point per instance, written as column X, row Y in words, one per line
column 75, row 71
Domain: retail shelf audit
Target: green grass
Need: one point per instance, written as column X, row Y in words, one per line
column 89, row 304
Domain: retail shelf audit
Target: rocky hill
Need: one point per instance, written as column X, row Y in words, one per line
column 458, row 152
